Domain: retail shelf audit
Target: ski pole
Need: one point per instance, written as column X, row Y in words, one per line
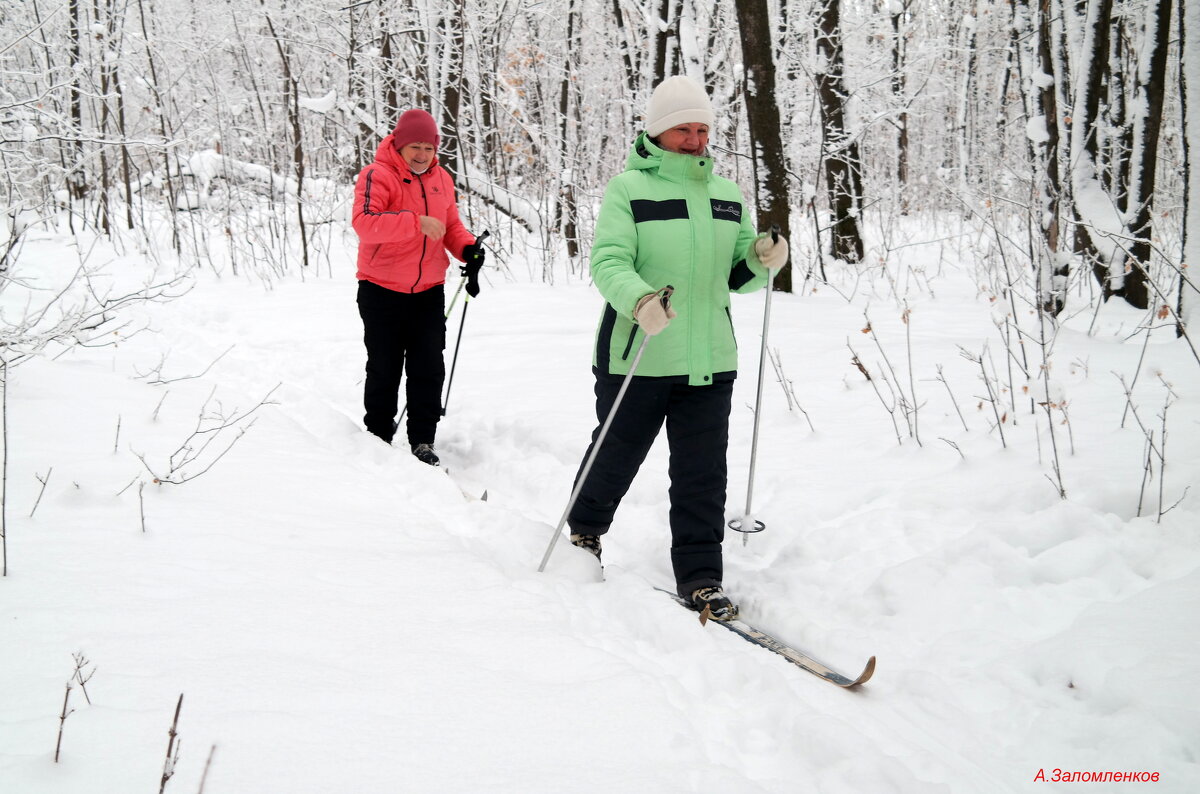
column 462, row 282
column 742, row 524
column 457, row 343
column 665, row 297
column 461, row 322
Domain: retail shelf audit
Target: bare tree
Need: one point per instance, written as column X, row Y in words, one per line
column 839, row 149
column 762, row 109
column 569, row 123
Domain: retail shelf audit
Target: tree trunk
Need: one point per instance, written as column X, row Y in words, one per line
column 665, row 54
column 1052, row 291
column 1188, row 308
column 115, row 41
column 74, row 159
column 107, row 66
column 1147, row 124
column 451, row 148
column 567, row 213
column 762, row 111
column 1084, row 148
column 966, row 106
column 164, row 128
column 357, row 91
column 631, row 74
column 898, row 65
column 291, row 92
column 1117, row 133
column 842, row 164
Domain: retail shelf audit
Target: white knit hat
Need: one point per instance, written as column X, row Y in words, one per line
column 677, row 100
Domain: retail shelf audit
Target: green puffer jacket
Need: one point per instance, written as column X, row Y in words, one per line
column 667, row 219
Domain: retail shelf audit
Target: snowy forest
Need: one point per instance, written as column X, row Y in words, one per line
column 1059, row 127
column 979, row 427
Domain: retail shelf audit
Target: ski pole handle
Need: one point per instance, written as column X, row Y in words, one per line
column 478, row 242
column 774, row 232
column 664, row 296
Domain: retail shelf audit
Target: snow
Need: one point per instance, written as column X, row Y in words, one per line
column 322, row 104
column 1035, row 129
column 342, row 618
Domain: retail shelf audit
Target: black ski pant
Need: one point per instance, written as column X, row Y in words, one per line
column 405, row 334
column 697, row 420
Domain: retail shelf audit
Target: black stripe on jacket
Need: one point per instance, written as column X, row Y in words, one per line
column 740, row 275
column 648, row 210
column 366, row 208
column 604, row 338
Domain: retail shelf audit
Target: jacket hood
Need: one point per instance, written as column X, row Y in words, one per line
column 387, row 154
column 645, row 155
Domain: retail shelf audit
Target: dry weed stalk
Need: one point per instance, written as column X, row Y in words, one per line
column 172, row 748
column 194, row 456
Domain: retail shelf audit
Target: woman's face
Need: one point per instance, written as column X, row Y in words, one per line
column 685, row 139
column 418, row 156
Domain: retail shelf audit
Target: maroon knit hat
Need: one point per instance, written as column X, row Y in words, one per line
column 415, row 126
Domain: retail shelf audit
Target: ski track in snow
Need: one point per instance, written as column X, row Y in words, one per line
column 341, row 618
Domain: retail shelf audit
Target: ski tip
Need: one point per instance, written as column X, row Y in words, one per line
column 484, row 497
column 865, row 675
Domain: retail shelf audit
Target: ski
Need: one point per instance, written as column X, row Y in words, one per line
column 764, row 640
column 469, row 496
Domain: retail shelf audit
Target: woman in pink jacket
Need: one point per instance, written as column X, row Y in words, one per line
column 407, row 220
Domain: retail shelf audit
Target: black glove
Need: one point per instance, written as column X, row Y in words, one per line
column 472, row 261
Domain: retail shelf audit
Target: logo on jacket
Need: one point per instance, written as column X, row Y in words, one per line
column 727, row 210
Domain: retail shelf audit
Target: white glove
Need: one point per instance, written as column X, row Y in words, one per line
column 651, row 315
column 772, row 253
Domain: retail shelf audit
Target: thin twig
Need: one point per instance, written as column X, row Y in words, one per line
column 180, row 463
column 942, row 377
column 41, row 491
column 207, row 764
column 81, row 662
column 891, row 409
column 157, row 408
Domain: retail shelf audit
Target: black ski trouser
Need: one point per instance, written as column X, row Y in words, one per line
column 697, row 420
column 405, row 334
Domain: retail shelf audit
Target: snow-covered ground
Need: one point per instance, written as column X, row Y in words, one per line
column 340, row 618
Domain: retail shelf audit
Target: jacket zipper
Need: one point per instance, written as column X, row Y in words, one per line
column 629, row 345
column 424, row 239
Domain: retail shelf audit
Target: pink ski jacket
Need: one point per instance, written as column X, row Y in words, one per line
column 388, row 202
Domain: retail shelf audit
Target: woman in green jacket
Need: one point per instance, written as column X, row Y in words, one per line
column 667, row 220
